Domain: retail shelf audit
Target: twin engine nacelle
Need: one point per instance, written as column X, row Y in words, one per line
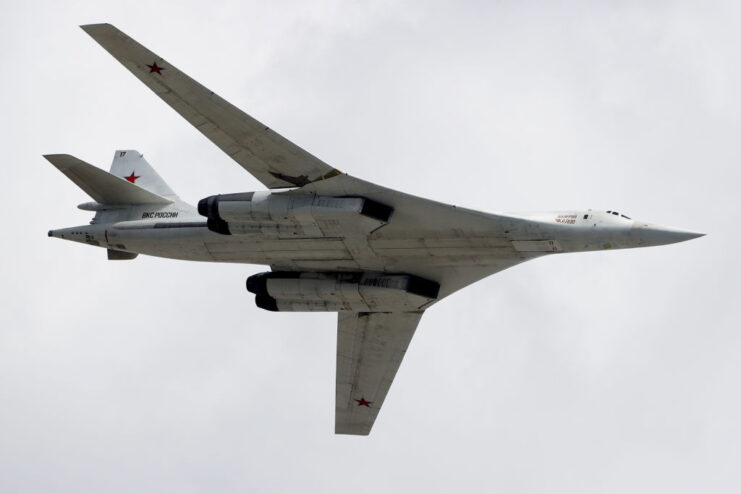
column 268, row 212
column 333, row 292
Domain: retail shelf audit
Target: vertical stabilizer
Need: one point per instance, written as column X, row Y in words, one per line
column 131, row 165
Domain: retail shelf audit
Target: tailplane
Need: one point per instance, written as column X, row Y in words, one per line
column 107, row 188
column 131, row 191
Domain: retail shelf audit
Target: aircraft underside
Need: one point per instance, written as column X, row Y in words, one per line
column 376, row 256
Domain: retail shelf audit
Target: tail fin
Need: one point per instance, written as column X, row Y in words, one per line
column 131, row 165
column 106, row 188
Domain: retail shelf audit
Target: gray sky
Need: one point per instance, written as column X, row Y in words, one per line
column 601, row 372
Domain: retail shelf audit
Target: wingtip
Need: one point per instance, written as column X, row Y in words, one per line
column 93, row 28
column 97, row 24
column 344, row 432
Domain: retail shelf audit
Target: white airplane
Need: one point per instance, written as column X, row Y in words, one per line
column 376, row 256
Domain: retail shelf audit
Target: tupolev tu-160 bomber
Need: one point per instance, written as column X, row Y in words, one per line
column 333, row 243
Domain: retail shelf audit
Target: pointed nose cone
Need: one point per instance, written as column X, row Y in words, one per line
column 647, row 234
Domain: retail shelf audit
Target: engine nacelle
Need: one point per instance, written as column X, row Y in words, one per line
column 333, row 292
column 268, row 212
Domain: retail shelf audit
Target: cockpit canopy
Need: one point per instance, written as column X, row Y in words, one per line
column 617, row 214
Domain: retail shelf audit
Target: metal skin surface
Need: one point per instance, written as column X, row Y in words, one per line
column 509, row 240
column 377, row 256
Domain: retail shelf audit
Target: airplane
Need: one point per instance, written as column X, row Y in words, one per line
column 334, row 243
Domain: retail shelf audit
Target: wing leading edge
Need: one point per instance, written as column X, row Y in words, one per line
column 370, row 348
column 272, row 159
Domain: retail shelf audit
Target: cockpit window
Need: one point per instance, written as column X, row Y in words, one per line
column 617, row 214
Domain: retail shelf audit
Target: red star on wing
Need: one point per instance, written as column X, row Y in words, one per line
column 155, row 68
column 363, row 403
column 132, row 178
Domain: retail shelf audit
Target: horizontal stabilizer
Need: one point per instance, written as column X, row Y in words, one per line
column 102, row 186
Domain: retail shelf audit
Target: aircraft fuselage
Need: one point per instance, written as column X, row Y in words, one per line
column 179, row 234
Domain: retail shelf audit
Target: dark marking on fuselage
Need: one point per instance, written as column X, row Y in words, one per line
column 159, row 214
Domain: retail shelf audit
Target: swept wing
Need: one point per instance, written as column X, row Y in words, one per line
column 272, row 159
column 370, row 347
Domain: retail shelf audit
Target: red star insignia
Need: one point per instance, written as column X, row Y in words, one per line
column 132, row 178
column 363, row 403
column 155, row 68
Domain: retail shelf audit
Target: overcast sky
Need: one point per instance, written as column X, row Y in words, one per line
column 606, row 372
